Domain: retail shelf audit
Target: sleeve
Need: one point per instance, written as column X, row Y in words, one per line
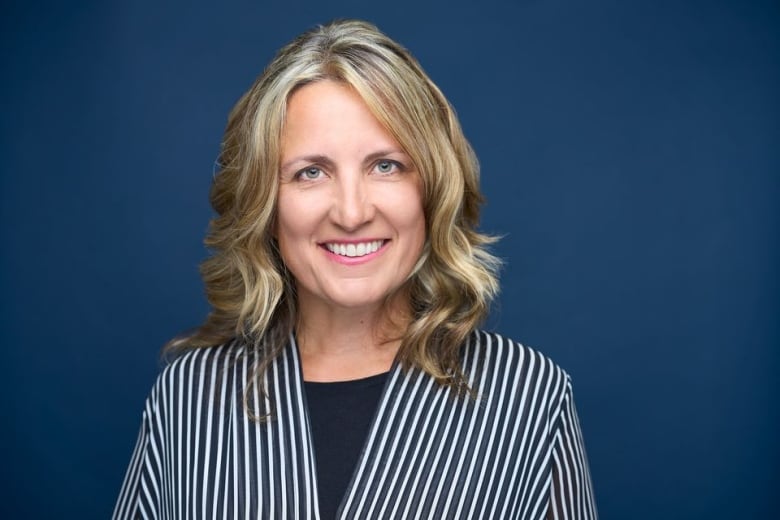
column 139, row 496
column 571, row 490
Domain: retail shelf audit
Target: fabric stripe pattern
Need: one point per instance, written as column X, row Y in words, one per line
column 516, row 451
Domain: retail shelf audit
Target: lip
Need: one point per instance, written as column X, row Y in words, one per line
column 354, row 260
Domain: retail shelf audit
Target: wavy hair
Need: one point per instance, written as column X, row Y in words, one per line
column 251, row 293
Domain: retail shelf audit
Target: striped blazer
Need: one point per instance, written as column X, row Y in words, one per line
column 515, row 451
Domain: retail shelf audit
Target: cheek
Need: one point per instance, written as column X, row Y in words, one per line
column 410, row 210
column 410, row 222
column 291, row 220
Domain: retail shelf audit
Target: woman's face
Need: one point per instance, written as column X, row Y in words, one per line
column 350, row 222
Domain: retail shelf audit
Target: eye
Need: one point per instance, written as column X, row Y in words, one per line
column 311, row 173
column 386, row 166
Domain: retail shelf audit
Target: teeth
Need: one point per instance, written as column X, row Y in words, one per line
column 353, row 250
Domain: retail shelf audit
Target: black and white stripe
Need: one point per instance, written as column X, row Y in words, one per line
column 514, row 452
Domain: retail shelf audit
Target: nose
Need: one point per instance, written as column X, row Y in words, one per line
column 352, row 205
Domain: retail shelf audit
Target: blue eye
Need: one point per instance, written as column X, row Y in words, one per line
column 386, row 166
column 311, row 173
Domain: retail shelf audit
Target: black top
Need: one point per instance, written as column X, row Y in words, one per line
column 340, row 415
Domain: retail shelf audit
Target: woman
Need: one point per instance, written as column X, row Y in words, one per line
column 340, row 372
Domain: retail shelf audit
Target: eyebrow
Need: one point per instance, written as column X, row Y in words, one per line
column 384, row 153
column 327, row 161
column 321, row 159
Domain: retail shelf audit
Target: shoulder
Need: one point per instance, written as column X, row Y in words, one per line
column 202, row 360
column 492, row 361
column 197, row 369
column 501, row 353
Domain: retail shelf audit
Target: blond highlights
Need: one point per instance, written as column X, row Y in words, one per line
column 251, row 293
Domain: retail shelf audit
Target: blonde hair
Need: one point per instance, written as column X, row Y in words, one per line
column 252, row 294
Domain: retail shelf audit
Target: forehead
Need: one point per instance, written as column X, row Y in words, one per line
column 331, row 115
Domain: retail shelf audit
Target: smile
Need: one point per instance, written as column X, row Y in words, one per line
column 353, row 250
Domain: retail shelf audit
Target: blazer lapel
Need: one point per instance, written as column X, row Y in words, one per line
column 292, row 482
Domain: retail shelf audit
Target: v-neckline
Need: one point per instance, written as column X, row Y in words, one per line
column 354, row 481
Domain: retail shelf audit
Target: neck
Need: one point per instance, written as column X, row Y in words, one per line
column 338, row 344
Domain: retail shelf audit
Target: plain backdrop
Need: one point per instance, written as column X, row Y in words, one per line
column 630, row 161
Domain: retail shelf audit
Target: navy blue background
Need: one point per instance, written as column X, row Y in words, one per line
column 630, row 159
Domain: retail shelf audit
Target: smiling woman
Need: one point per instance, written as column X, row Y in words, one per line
column 341, row 372
column 350, row 227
